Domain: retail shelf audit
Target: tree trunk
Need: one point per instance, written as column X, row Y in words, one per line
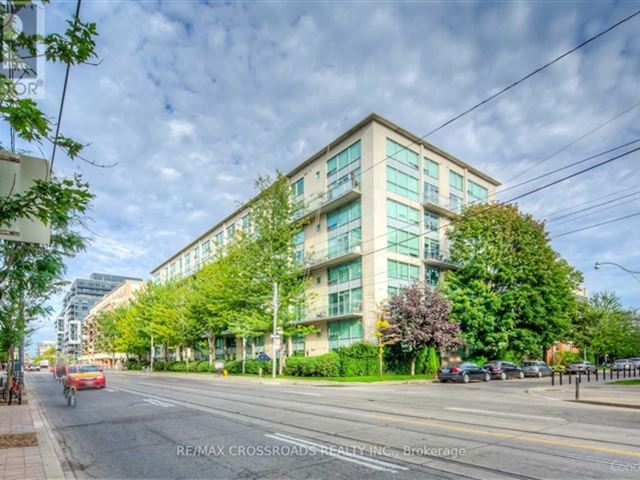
column 413, row 364
column 211, row 340
column 10, row 353
column 165, row 352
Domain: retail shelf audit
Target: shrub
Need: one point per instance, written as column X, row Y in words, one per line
column 233, row 366
column 564, row 358
column 177, row 367
column 133, row 365
column 202, row 367
column 359, row 359
column 327, row 365
column 432, row 362
column 159, row 365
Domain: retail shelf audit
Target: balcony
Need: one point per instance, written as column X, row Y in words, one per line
column 339, row 195
column 442, row 205
column 438, row 259
column 335, row 311
column 348, row 251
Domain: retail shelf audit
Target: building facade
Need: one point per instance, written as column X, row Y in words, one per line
column 378, row 201
column 120, row 296
column 81, row 296
column 45, row 345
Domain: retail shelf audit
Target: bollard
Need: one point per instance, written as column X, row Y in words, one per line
column 578, row 388
column 579, row 377
column 617, row 373
column 588, row 375
column 560, row 374
column 569, row 373
column 553, row 377
column 260, row 372
column 596, row 374
column 624, row 372
column 634, row 370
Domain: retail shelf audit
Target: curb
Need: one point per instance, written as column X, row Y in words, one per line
column 606, row 404
column 50, row 449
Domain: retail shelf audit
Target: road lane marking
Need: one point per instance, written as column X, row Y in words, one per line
column 158, row 402
column 502, row 414
column 303, row 393
column 344, row 456
column 111, row 390
column 524, row 438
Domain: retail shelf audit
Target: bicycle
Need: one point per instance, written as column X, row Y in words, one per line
column 70, row 394
column 15, row 390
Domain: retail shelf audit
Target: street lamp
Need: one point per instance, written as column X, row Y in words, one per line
column 599, row 264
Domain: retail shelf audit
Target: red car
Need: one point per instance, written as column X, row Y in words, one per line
column 85, row 376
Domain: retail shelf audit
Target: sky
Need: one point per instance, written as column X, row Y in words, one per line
column 193, row 101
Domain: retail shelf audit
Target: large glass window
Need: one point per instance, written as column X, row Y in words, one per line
column 402, row 154
column 431, row 221
column 402, row 271
column 343, row 215
column 402, row 184
column 345, row 272
column 206, row 249
column 431, row 168
column 246, row 223
column 455, row 202
column 402, row 212
column 219, row 238
column 344, row 243
column 432, row 276
column 456, row 180
column 297, row 342
column 298, row 240
column 477, row 193
column 432, row 248
column 337, row 165
column 297, row 188
column 231, row 231
column 401, row 241
column 346, row 302
column 431, row 193
column 255, row 345
column 343, row 333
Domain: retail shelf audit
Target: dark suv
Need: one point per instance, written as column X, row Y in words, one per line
column 503, row 370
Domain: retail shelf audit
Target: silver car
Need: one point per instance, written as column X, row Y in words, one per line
column 582, row 367
column 622, row 364
column 536, row 368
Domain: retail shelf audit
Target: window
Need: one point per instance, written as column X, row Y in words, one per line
column 431, row 276
column 431, row 221
column 337, row 165
column 206, row 249
column 431, row 168
column 343, row 215
column 187, row 263
column 345, row 242
column 402, row 271
column 431, row 193
column 231, row 231
column 456, row 180
column 219, row 238
column 402, row 212
column 219, row 347
column 255, row 345
column 344, row 332
column 297, row 342
column 297, row 188
column 455, row 202
column 478, row 193
column 298, row 240
column 246, row 223
column 402, row 184
column 432, row 248
column 345, row 273
column 402, row 154
column 345, row 302
column 401, row 241
column 196, row 256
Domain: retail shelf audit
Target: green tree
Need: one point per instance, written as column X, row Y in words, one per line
column 512, row 291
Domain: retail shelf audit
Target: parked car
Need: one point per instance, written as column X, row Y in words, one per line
column 33, row 368
column 462, row 372
column 582, row 367
column 536, row 368
column 622, row 364
column 635, row 361
column 503, row 370
column 85, row 376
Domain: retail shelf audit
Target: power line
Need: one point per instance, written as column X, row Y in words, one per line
column 531, row 74
column 571, row 165
column 555, row 219
column 592, row 200
column 562, row 149
column 588, row 214
column 595, row 225
column 64, row 94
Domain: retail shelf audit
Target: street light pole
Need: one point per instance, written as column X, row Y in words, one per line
column 274, row 338
column 632, row 272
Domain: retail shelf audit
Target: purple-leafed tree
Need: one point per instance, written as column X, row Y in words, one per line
column 419, row 317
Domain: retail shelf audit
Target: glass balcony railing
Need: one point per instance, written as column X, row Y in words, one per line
column 334, row 193
column 438, row 256
column 333, row 310
column 452, row 204
column 352, row 245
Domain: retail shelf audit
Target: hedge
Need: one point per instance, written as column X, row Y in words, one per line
column 359, row 359
column 327, row 365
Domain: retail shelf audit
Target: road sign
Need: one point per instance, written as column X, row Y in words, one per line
column 17, row 175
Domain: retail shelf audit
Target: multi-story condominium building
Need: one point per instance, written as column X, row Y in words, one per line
column 378, row 201
column 80, row 297
column 118, row 297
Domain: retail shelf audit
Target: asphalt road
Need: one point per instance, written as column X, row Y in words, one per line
column 196, row 426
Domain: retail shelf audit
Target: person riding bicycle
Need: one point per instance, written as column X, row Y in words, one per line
column 60, row 371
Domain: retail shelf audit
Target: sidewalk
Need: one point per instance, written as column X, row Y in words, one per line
column 626, row 396
column 35, row 459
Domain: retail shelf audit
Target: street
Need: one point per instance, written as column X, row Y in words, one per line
column 197, row 426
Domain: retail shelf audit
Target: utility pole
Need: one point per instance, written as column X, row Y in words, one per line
column 275, row 338
column 153, row 354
